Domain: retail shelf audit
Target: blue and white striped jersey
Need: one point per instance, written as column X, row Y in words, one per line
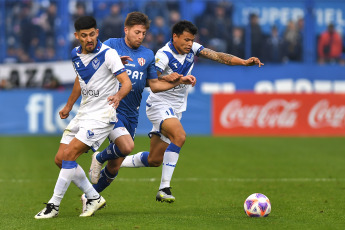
column 97, row 73
column 168, row 60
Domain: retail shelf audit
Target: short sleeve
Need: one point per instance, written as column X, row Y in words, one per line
column 197, row 48
column 113, row 62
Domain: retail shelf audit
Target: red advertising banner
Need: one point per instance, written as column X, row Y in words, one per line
column 278, row 114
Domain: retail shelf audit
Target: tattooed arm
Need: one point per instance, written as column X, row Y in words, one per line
column 229, row 59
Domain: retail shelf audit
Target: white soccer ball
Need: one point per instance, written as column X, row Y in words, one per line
column 257, row 205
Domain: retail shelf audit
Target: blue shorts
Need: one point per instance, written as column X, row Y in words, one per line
column 124, row 122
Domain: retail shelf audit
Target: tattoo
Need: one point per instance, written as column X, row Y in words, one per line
column 220, row 57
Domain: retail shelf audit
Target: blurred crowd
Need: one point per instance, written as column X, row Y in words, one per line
column 32, row 30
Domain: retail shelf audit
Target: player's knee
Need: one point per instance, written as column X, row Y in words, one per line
column 58, row 161
column 155, row 162
column 179, row 139
column 127, row 148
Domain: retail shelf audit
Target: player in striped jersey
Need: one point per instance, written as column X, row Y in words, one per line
column 99, row 70
column 164, row 109
column 141, row 71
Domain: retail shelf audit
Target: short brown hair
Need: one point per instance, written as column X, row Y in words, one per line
column 137, row 18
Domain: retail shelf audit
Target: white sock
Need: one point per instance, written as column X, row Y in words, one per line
column 61, row 186
column 81, row 181
column 169, row 163
column 133, row 161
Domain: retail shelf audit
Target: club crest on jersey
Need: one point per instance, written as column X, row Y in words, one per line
column 89, row 134
column 95, row 63
column 141, row 61
column 190, row 57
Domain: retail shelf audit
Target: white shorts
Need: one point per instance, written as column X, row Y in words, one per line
column 157, row 112
column 117, row 132
column 90, row 132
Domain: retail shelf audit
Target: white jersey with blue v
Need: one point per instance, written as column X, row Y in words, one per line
column 139, row 70
column 97, row 73
column 168, row 60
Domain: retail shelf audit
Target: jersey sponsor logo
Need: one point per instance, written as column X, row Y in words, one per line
column 141, row 61
column 190, row 57
column 180, row 86
column 95, row 63
column 90, row 92
column 89, row 134
column 157, row 60
column 135, row 74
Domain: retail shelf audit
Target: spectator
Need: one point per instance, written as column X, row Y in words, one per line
column 112, row 26
column 330, row 46
column 154, row 8
column 220, row 27
column 237, row 47
column 47, row 23
column 274, row 47
column 28, row 31
column 255, row 35
column 293, row 42
column 174, row 17
column 160, row 28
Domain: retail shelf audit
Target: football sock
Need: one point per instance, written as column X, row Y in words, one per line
column 169, row 163
column 65, row 177
column 109, row 153
column 81, row 181
column 136, row 160
column 105, row 180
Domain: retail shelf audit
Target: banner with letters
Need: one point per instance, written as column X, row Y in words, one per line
column 36, row 112
column 278, row 114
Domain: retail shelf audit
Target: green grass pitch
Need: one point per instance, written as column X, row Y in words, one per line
column 304, row 179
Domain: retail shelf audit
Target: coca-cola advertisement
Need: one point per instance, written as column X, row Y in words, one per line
column 279, row 114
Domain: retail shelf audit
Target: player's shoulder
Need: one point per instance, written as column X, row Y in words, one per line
column 75, row 51
column 112, row 42
column 146, row 51
column 164, row 50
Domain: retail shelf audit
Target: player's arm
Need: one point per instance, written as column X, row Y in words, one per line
column 75, row 94
column 157, row 85
column 229, row 59
column 173, row 77
column 126, row 86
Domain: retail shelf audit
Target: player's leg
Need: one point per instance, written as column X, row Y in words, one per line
column 68, row 170
column 59, row 155
column 173, row 129
column 71, row 171
column 69, row 133
column 124, row 144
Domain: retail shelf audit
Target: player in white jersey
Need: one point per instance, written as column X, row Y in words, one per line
column 99, row 71
column 164, row 109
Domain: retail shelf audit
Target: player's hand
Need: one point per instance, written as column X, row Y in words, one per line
column 114, row 100
column 64, row 112
column 188, row 80
column 125, row 59
column 172, row 77
column 253, row 61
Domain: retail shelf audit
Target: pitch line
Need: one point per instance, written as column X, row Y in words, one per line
column 196, row 179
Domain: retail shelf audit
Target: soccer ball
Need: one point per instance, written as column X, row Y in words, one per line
column 257, row 205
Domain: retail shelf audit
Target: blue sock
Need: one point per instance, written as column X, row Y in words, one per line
column 109, row 153
column 143, row 158
column 105, row 180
